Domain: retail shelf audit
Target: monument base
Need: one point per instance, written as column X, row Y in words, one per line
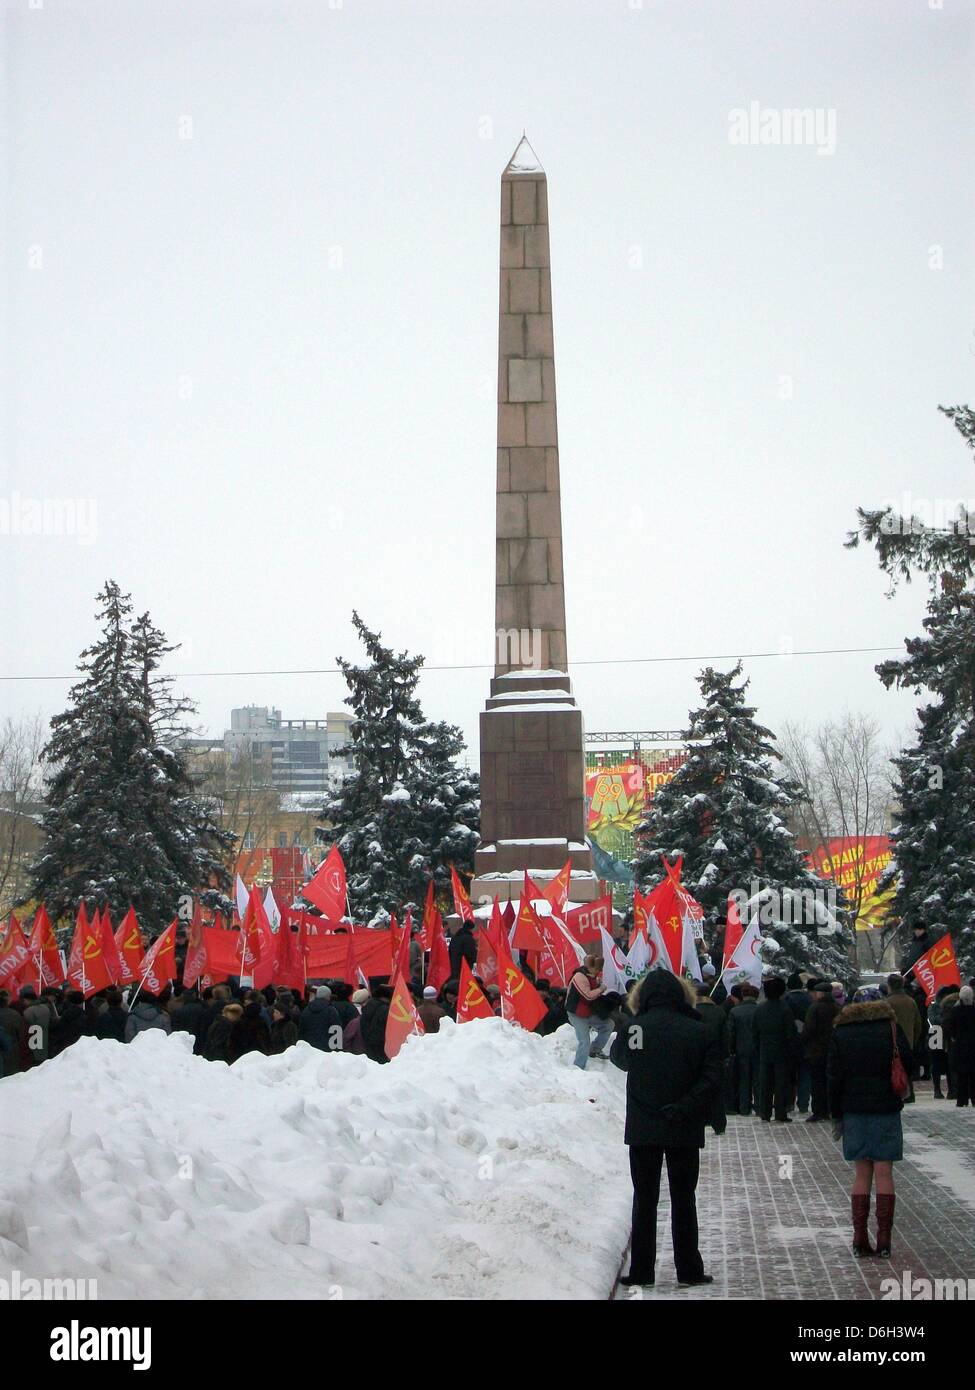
column 500, row 869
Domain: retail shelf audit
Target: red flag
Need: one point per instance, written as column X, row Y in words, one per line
column 472, row 1002
column 113, row 959
column 87, row 967
column 520, row 1001
column 462, row 903
column 432, row 921
column 403, row 1020
column 438, row 970
column 223, row 948
column 44, row 950
column 251, row 940
column 937, row 967
column 526, row 936
column 733, row 931
column 260, row 941
column 14, row 953
column 128, row 940
column 585, row 922
column 325, row 956
column 327, row 888
column 195, row 964
column 401, row 950
column 290, row 958
column 560, row 959
column 159, row 965
column 487, row 946
column 557, row 892
column 508, row 917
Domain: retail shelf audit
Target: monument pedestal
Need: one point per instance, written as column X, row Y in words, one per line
column 532, row 782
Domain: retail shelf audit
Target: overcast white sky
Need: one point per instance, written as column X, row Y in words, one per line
column 268, row 351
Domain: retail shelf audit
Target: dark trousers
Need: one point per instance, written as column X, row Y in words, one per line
column 965, row 1087
column 747, row 1070
column 803, row 1086
column 731, row 1085
column 774, row 1087
column 817, row 1083
column 939, row 1066
column 683, row 1167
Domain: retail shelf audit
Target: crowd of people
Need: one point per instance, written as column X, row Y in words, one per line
column 693, row 1054
column 797, row 1045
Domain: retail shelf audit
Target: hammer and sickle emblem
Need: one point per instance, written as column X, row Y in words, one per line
column 92, row 948
column 512, row 975
column 132, row 940
column 941, row 957
column 674, row 923
column 399, row 1011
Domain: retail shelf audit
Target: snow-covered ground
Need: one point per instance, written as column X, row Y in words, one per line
column 478, row 1164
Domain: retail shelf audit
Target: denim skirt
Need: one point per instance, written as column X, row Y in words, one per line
column 877, row 1137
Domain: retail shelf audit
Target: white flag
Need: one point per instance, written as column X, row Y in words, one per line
column 690, row 961
column 242, row 896
column 617, row 974
column 271, row 910
column 744, row 965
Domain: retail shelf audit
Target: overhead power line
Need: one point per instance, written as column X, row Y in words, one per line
column 489, row 666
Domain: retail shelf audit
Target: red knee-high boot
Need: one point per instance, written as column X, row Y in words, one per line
column 885, row 1222
column 861, row 1212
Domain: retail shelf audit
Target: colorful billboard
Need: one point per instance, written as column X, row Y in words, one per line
column 855, row 863
column 620, row 784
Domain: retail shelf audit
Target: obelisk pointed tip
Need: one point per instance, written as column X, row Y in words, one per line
column 524, row 160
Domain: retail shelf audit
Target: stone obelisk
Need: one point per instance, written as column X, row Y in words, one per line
column 532, row 765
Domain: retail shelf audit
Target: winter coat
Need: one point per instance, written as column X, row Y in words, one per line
column 463, row 946
column 189, row 1016
column 818, row 1028
column 861, row 1052
column 144, row 1016
column 346, row 1011
column 284, row 1034
column 800, row 1002
column 949, row 1004
column 320, row 1026
column 67, row 1028
column 775, row 1033
column 219, row 1044
column 916, row 948
column 37, row 1032
column 673, row 1068
column 352, row 1037
column 251, row 1033
column 372, row 1028
column 906, row 1013
column 961, row 1035
column 741, row 1029
column 430, row 1016
column 12, row 1026
column 111, row 1023
column 715, row 1021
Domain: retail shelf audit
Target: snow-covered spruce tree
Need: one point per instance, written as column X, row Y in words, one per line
column 933, row 865
column 123, row 822
column 724, row 811
column 408, row 811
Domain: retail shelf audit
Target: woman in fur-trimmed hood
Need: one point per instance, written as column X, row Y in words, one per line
column 866, row 1109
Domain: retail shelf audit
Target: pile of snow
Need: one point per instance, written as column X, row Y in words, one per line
column 479, row 1164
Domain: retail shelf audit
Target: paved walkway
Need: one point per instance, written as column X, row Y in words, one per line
column 774, row 1210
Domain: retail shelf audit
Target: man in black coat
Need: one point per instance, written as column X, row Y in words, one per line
column 372, row 1027
column 918, row 946
column 817, row 1030
column 319, row 1024
column 777, row 1043
column 741, row 1039
column 715, row 1022
column 463, row 946
column 673, row 1070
